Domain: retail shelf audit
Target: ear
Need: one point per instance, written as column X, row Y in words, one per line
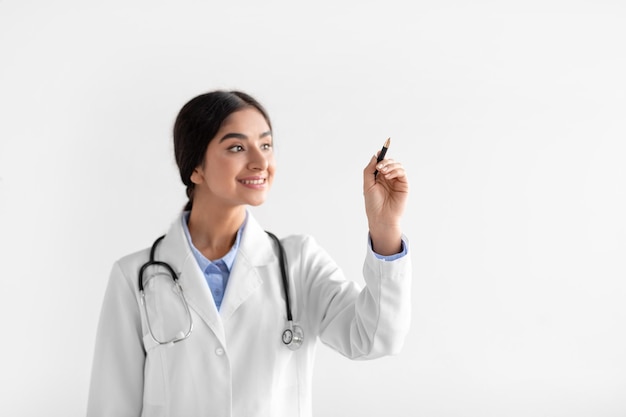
column 197, row 177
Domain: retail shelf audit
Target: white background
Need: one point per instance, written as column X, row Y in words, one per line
column 509, row 117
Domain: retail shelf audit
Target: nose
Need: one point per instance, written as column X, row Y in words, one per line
column 258, row 160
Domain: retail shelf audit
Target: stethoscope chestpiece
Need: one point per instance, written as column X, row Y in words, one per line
column 293, row 336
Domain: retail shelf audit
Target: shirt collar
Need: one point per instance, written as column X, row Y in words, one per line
column 203, row 262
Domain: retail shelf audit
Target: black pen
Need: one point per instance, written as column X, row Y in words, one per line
column 382, row 153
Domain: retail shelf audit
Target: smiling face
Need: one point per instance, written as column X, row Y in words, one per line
column 238, row 166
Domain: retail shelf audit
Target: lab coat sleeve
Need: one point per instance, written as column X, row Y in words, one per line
column 117, row 373
column 359, row 323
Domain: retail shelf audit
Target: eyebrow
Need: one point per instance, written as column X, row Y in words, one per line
column 242, row 136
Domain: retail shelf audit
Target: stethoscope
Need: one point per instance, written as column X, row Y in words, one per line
column 292, row 336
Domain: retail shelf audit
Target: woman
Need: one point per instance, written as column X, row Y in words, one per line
column 234, row 362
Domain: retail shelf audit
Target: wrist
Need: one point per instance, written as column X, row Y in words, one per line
column 386, row 240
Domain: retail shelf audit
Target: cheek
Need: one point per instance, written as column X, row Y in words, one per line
column 219, row 168
column 217, row 177
column 271, row 166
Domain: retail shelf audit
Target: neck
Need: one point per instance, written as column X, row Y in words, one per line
column 213, row 231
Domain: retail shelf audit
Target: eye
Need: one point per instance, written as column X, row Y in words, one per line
column 266, row 146
column 236, row 148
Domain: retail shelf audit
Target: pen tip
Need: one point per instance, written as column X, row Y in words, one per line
column 387, row 142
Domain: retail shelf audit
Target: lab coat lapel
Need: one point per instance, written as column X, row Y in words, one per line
column 255, row 251
column 176, row 251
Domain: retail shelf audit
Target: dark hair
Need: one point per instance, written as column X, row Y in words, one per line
column 197, row 124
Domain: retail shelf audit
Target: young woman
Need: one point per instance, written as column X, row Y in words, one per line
column 235, row 339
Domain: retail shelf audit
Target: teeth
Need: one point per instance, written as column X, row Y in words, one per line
column 255, row 182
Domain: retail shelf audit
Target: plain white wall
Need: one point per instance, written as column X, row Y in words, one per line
column 510, row 119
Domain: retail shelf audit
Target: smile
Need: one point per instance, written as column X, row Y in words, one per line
column 253, row 182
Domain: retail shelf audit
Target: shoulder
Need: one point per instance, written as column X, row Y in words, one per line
column 171, row 244
column 130, row 264
column 298, row 243
column 297, row 240
column 304, row 250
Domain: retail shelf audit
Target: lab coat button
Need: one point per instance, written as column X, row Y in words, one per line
column 219, row 351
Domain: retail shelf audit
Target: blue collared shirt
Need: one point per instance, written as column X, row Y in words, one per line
column 215, row 272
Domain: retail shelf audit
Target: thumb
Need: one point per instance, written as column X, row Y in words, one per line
column 368, row 173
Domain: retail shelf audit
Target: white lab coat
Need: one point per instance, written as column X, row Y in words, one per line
column 234, row 362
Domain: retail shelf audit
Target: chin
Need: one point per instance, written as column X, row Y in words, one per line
column 256, row 199
column 256, row 203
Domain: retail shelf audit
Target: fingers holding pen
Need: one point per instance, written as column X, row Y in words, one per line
column 390, row 169
column 386, row 172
